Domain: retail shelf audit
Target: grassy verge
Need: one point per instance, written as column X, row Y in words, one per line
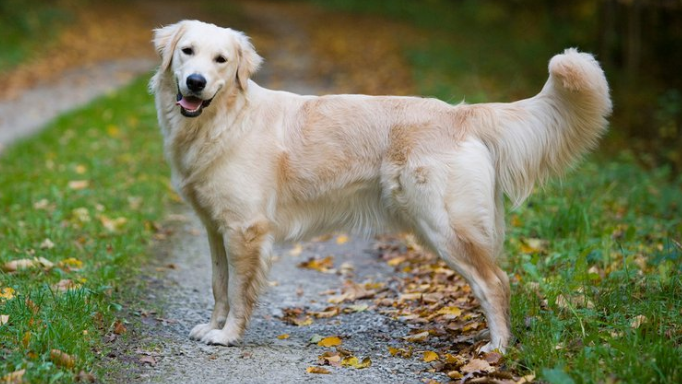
column 79, row 204
column 595, row 258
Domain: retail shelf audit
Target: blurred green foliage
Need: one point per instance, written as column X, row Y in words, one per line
column 25, row 24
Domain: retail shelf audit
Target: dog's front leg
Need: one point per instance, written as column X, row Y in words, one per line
column 220, row 275
column 248, row 255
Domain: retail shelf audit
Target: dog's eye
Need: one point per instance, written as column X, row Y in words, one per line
column 188, row 51
column 220, row 59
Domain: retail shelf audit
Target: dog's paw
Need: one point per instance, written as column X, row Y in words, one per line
column 220, row 337
column 490, row 347
column 199, row 331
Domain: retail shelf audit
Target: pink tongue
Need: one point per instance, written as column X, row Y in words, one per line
column 190, row 103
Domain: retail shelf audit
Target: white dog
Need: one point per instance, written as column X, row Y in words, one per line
column 260, row 166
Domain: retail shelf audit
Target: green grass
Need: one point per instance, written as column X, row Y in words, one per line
column 100, row 230
column 611, row 235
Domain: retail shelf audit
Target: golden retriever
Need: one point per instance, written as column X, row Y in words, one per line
column 261, row 166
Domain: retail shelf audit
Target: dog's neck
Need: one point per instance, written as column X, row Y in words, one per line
column 185, row 138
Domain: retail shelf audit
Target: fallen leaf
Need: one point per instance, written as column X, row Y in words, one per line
column 71, row 263
column 151, row 360
column 400, row 352
column 119, row 328
column 454, row 375
column 283, row 336
column 341, row 239
column 47, row 244
column 493, row 358
column 7, row 293
column 476, row 365
column 329, row 341
column 358, row 307
column 78, row 184
column 450, row 311
column 318, row 370
column 113, row 225
column 62, row 359
column 4, row 319
column 85, row 377
column 16, row 377
column 637, row 321
column 430, row 356
column 65, row 285
column 327, row 313
column 417, row 338
column 330, row 358
column 526, row 379
column 321, row 265
column 354, row 362
column 531, row 245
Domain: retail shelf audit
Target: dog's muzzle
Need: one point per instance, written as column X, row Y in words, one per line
column 191, row 106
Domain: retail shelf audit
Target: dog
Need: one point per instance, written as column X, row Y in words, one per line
column 261, row 166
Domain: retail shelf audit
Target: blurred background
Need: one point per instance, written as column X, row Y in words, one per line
column 452, row 49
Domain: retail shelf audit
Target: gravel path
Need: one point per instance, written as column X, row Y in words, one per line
column 26, row 114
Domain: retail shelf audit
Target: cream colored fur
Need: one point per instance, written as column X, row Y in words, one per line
column 261, row 166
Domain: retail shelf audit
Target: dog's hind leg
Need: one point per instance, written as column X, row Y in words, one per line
column 249, row 248
column 452, row 203
column 220, row 275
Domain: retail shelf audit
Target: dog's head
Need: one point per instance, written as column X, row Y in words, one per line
column 204, row 60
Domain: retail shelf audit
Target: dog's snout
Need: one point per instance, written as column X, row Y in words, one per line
column 196, row 82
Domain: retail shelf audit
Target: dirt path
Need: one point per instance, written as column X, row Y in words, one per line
column 166, row 355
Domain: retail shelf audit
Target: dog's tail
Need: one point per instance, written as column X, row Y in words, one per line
column 535, row 138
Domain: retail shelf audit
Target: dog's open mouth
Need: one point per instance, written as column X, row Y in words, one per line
column 191, row 106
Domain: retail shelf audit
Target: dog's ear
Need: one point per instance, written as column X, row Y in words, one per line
column 165, row 40
column 249, row 60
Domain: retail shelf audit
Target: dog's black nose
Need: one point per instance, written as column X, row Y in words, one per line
column 196, row 83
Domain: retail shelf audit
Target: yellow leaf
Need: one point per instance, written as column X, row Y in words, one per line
column 26, row 340
column 400, row 352
column 341, row 239
column 330, row 341
column 62, row 359
column 454, row 311
column 113, row 131
column 531, row 245
column 430, row 356
column 283, row 336
column 318, row 370
column 454, row 375
column 321, row 265
column 7, row 293
column 396, row 260
column 72, row 263
column 80, row 169
column 353, row 362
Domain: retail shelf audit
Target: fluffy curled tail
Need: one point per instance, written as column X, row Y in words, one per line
column 541, row 136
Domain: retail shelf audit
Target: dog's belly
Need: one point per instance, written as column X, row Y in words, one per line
column 357, row 209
